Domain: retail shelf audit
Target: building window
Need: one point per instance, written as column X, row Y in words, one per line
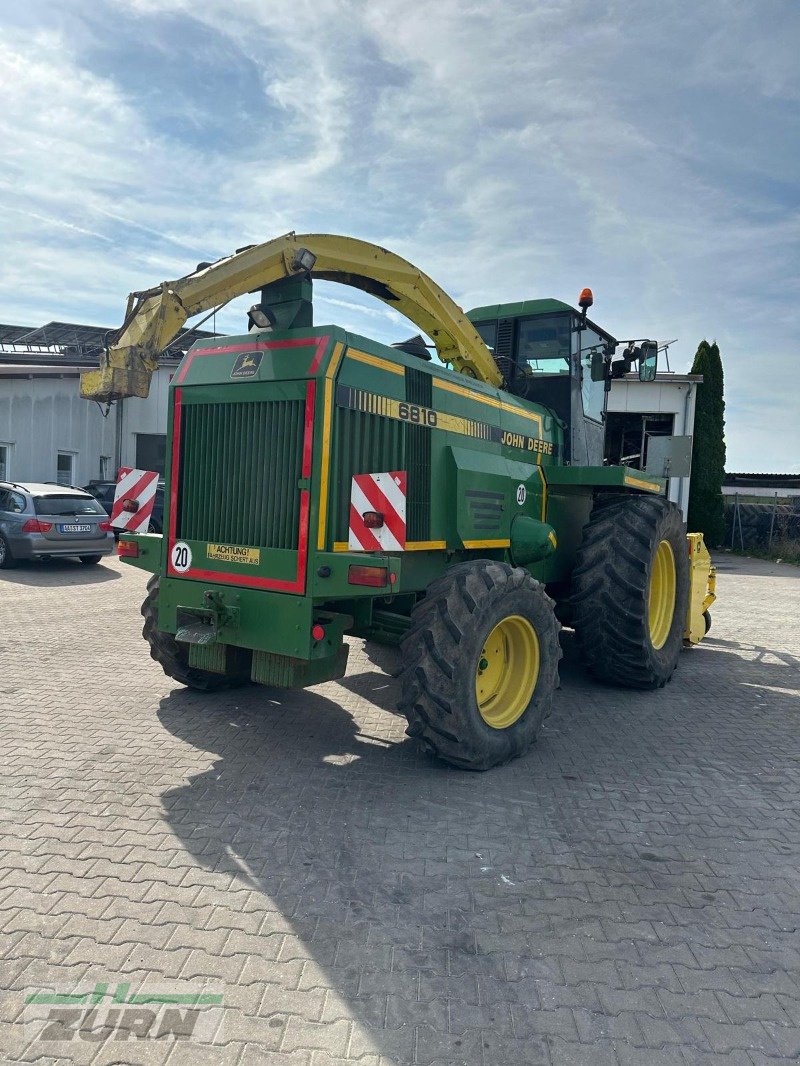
column 151, row 451
column 5, row 462
column 65, row 470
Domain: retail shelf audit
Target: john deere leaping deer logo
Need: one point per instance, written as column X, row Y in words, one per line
column 246, row 365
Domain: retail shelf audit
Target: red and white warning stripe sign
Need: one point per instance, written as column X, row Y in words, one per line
column 378, row 512
column 133, row 499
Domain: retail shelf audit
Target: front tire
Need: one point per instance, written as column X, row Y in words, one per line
column 630, row 591
column 480, row 664
column 173, row 656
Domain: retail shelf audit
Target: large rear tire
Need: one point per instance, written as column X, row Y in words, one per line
column 630, row 591
column 480, row 664
column 173, row 656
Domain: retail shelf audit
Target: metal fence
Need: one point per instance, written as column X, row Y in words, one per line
column 762, row 524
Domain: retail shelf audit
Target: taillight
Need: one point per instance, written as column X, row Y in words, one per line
column 318, row 632
column 128, row 549
column 378, row 576
column 33, row 525
column 105, row 527
column 130, row 505
column 373, row 519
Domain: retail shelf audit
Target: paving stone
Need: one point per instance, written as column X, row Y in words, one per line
column 627, row 893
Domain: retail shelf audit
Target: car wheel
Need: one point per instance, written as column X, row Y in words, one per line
column 7, row 560
column 90, row 560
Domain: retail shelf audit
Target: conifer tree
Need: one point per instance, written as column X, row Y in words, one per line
column 708, row 448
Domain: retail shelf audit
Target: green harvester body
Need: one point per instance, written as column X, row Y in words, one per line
column 266, row 433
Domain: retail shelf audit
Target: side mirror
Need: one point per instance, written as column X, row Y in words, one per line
column 648, row 361
column 598, row 371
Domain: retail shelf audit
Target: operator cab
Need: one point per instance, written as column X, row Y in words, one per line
column 550, row 353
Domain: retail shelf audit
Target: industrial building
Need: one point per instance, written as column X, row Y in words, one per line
column 49, row 433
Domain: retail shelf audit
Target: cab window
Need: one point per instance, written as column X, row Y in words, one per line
column 544, row 344
column 487, row 332
column 593, row 393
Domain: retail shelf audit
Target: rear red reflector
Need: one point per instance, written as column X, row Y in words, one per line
column 105, row 527
column 128, row 549
column 373, row 519
column 33, row 525
column 317, row 632
column 378, row 576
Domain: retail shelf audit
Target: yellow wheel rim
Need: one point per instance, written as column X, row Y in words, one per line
column 661, row 598
column 508, row 669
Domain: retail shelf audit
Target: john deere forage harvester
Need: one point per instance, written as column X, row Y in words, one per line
column 320, row 484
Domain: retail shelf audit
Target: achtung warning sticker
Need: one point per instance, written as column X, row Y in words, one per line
column 232, row 553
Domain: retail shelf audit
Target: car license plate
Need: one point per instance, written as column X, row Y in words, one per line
column 75, row 529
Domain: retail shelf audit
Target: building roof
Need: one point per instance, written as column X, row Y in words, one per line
column 663, row 377
column 75, row 342
column 762, row 480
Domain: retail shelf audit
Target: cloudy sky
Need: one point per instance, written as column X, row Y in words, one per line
column 511, row 149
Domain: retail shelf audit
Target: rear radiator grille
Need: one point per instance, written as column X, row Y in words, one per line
column 239, row 469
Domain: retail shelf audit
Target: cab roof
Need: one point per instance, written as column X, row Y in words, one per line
column 524, row 307
column 531, row 307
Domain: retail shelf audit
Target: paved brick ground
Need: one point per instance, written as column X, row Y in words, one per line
column 628, row 893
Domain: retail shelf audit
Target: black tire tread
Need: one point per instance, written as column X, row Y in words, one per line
column 173, row 657
column 9, row 562
column 610, row 584
column 430, row 651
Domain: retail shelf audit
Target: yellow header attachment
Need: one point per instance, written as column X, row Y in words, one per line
column 154, row 317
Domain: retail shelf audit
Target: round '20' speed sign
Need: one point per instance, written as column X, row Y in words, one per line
column 181, row 557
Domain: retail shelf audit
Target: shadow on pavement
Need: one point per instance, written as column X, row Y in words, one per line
column 345, row 836
column 379, row 689
column 413, row 891
column 58, row 572
column 751, row 566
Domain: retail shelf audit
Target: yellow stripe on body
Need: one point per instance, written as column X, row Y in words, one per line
column 374, row 360
column 326, row 448
column 544, row 490
column 491, row 401
column 637, row 483
column 486, row 543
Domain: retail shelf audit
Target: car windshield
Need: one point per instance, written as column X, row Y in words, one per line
column 64, row 504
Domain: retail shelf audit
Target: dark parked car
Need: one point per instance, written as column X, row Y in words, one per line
column 37, row 521
column 103, row 491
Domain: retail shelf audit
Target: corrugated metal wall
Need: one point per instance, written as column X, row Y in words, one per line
column 40, row 417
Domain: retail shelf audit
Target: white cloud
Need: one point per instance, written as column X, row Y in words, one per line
column 511, row 150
